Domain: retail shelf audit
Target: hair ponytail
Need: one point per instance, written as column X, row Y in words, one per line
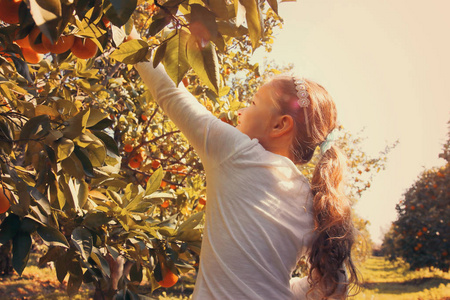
column 335, row 234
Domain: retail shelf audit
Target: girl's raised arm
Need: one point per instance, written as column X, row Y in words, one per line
column 213, row 139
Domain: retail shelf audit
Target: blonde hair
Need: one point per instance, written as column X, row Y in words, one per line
column 335, row 231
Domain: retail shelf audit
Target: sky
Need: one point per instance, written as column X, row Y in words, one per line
column 386, row 64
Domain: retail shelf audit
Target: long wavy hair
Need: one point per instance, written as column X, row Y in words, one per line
column 330, row 253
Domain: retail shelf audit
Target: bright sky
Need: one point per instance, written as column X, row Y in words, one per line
column 386, row 63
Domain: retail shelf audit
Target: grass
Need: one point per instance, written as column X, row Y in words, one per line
column 382, row 280
column 385, row 280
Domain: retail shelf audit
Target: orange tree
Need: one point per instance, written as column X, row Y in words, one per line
column 421, row 234
column 88, row 161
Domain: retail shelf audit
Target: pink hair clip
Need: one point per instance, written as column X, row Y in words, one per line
column 303, row 99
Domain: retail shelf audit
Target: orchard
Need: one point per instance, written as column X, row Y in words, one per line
column 421, row 234
column 90, row 165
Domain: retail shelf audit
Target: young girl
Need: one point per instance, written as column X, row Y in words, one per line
column 262, row 213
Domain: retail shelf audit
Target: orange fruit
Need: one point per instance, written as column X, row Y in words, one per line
column 155, row 164
column 9, row 11
column 413, row 207
column 163, row 184
column 31, row 56
column 35, row 39
column 106, row 22
column 134, row 162
column 144, row 117
column 128, row 148
column 64, row 43
column 165, row 204
column 84, row 48
column 169, row 278
column 202, row 201
column 424, row 229
column 4, row 202
column 24, row 43
column 185, row 81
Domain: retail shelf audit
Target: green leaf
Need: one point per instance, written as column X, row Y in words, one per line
column 21, row 251
column 73, row 284
column 82, row 239
column 100, row 261
column 254, row 21
column 119, row 11
column 159, row 54
column 102, row 124
column 154, row 181
column 158, row 24
column 175, row 61
column 274, row 5
column 52, row 236
column 36, row 127
column 29, row 225
column 85, row 162
column 205, row 64
column 131, row 52
column 46, row 15
column 191, row 222
column 95, row 116
column 219, row 8
column 109, row 142
column 96, row 219
column 76, row 125
column 229, row 28
column 64, row 148
column 9, row 228
column 203, row 24
column 41, row 200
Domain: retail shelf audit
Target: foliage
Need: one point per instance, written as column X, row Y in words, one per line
column 94, row 167
column 421, row 234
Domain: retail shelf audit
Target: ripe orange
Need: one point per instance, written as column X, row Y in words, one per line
column 4, row 202
column 35, row 39
column 163, row 184
column 134, row 162
column 24, row 43
column 155, row 164
column 424, row 229
column 202, row 201
column 165, row 204
column 420, row 233
column 106, row 22
column 185, row 81
column 9, row 11
column 64, row 43
column 31, row 56
column 128, row 148
column 144, row 117
column 169, row 278
column 413, row 207
column 84, row 48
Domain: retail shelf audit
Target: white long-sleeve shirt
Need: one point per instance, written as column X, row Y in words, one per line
column 259, row 213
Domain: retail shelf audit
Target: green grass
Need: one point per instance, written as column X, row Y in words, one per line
column 385, row 280
column 381, row 280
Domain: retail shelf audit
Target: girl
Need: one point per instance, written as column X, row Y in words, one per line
column 262, row 213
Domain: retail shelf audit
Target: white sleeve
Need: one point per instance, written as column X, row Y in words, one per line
column 299, row 287
column 213, row 139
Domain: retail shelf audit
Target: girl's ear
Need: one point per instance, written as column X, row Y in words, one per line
column 283, row 125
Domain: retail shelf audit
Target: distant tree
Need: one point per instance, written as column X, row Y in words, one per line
column 421, row 234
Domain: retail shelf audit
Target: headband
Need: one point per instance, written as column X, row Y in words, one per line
column 303, row 99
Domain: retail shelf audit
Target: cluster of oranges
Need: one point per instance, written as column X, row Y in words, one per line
column 36, row 44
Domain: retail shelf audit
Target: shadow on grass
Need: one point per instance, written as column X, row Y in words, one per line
column 410, row 286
